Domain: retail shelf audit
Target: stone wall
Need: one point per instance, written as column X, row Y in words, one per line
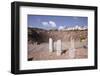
column 44, row 35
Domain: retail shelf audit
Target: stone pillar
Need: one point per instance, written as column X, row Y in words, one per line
column 50, row 45
column 54, row 45
column 58, row 47
column 72, row 49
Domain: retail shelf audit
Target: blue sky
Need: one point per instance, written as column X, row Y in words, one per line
column 51, row 22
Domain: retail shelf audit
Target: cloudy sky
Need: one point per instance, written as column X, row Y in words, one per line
column 55, row 22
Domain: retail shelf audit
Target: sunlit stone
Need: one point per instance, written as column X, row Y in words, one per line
column 58, row 47
column 50, row 45
column 72, row 49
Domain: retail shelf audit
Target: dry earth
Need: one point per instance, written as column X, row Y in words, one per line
column 41, row 51
column 38, row 44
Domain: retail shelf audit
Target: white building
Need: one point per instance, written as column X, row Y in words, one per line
column 75, row 28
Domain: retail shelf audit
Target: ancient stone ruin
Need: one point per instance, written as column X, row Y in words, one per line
column 72, row 49
column 57, row 46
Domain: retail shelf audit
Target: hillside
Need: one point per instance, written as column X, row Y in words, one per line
column 41, row 35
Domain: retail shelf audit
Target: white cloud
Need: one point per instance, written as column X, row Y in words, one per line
column 61, row 27
column 45, row 23
column 52, row 23
column 49, row 24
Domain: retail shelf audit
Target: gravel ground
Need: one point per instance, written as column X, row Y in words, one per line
column 41, row 51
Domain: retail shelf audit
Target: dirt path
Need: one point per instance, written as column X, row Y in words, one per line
column 41, row 51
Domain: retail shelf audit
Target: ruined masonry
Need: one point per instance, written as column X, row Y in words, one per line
column 57, row 46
